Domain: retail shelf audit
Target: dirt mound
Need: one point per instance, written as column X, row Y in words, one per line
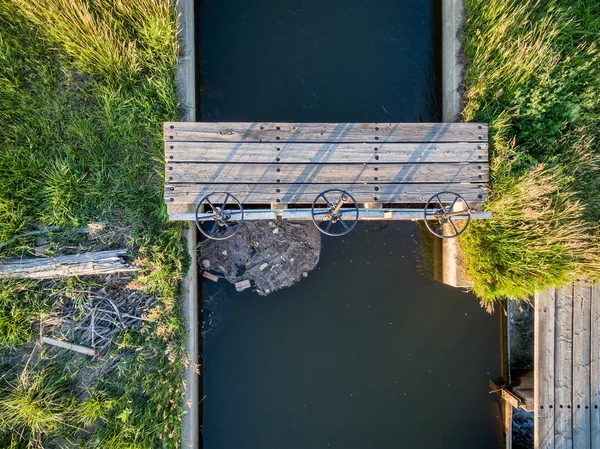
column 271, row 254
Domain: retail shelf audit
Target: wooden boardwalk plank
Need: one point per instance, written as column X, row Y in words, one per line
column 306, row 193
column 325, row 132
column 317, row 173
column 544, row 369
column 563, row 368
column 595, row 368
column 325, row 153
column 581, row 365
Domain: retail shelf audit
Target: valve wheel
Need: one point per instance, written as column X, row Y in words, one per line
column 219, row 215
column 340, row 214
column 447, row 208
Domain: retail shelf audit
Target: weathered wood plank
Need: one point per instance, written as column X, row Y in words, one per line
column 581, row 365
column 316, row 173
column 71, row 346
column 84, row 264
column 544, row 369
column 595, row 368
column 325, row 132
column 306, row 193
column 508, row 423
column 325, row 153
column 563, row 365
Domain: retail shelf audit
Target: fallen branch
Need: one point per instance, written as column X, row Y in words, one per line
column 84, row 264
column 71, row 346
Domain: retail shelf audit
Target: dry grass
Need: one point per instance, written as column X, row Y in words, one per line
column 117, row 40
column 533, row 73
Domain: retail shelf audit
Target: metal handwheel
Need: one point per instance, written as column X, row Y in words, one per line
column 457, row 213
column 340, row 214
column 219, row 215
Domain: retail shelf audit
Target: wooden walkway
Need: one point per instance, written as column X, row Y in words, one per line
column 286, row 164
column 567, row 367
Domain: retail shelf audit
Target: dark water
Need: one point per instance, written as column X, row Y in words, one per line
column 318, row 60
column 366, row 352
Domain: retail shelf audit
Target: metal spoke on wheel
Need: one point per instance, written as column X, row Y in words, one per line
column 344, row 224
column 439, row 228
column 453, row 225
column 225, row 202
column 227, row 226
column 440, row 201
column 452, row 205
column 447, row 214
column 214, row 228
column 219, row 225
column 325, row 218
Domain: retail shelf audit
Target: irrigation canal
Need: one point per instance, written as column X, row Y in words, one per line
column 367, row 351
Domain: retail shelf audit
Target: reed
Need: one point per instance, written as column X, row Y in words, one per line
column 533, row 73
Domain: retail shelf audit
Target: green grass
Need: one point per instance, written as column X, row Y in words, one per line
column 533, row 73
column 84, row 88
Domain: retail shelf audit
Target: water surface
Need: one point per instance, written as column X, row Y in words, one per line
column 367, row 352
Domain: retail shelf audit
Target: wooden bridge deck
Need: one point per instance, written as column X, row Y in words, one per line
column 567, row 367
column 286, row 164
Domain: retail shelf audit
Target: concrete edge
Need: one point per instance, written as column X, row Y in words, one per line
column 447, row 253
column 453, row 12
column 186, row 90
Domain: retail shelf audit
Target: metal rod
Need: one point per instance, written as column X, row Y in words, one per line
column 338, row 206
column 305, row 214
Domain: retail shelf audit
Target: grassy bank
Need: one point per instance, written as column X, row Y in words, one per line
column 533, row 73
column 84, row 89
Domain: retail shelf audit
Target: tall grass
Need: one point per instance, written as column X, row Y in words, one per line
column 117, row 39
column 21, row 303
column 84, row 88
column 533, row 73
column 34, row 404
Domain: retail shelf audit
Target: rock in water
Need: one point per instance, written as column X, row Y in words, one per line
column 290, row 253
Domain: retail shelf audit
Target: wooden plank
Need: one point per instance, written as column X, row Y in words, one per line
column 73, row 347
column 581, row 364
column 563, row 366
column 595, row 368
column 544, row 369
column 327, row 174
column 306, row 193
column 83, row 264
column 325, row 153
column 506, row 395
column 508, row 423
column 325, row 132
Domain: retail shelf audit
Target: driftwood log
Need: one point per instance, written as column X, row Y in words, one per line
column 84, row 264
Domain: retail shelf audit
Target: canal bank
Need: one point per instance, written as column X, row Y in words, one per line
column 262, row 356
